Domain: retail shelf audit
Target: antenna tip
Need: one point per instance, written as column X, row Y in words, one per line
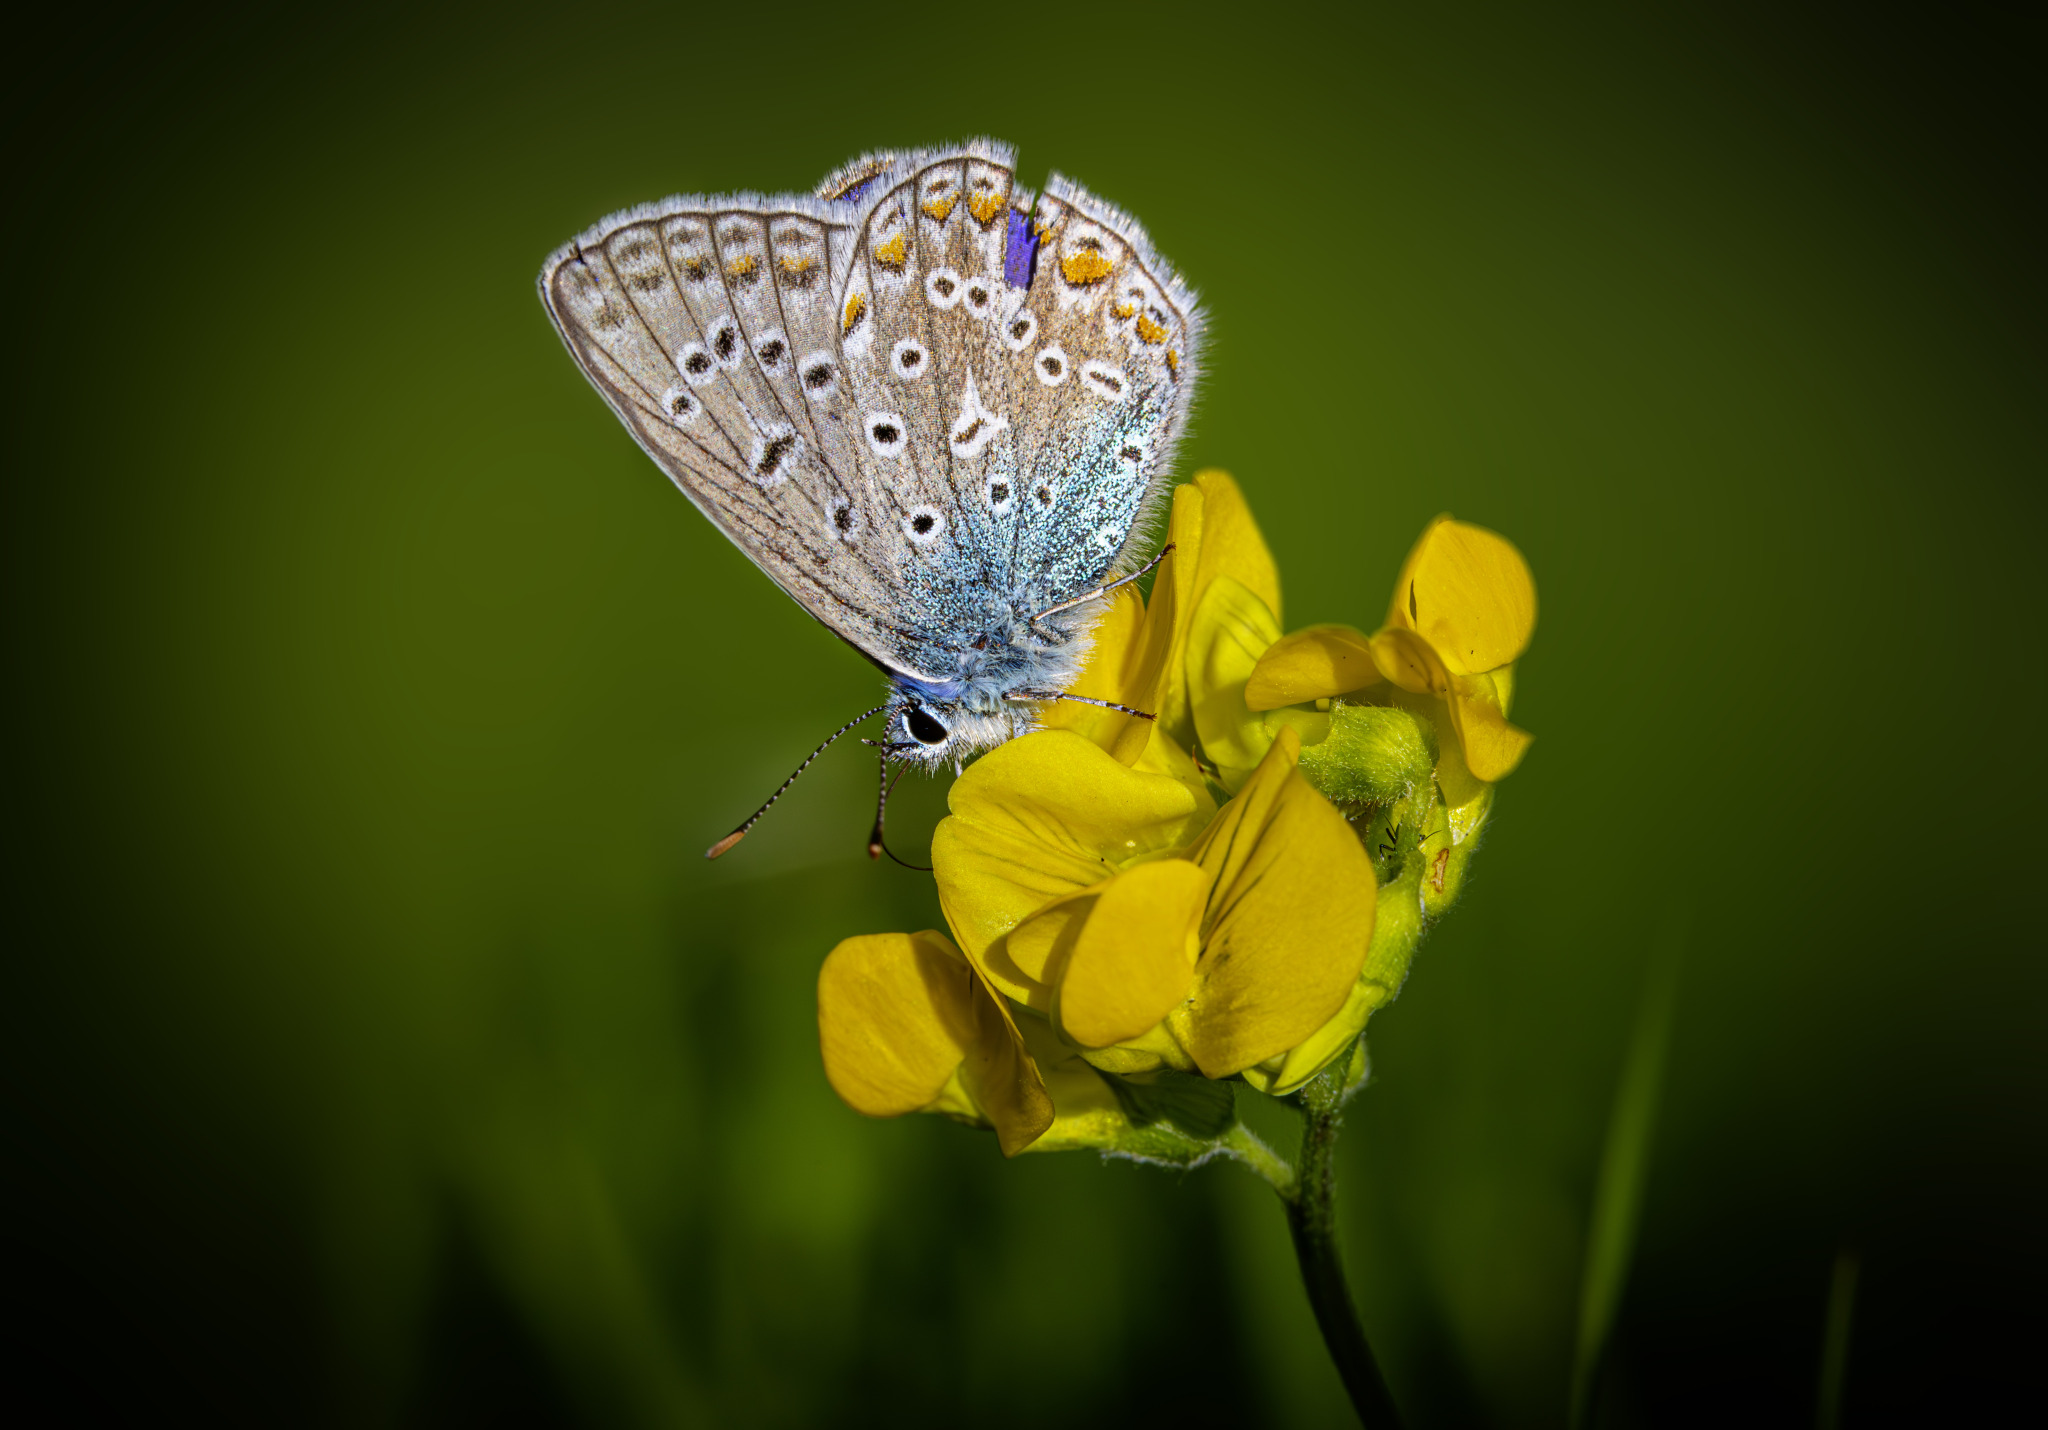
column 724, row 844
column 875, row 845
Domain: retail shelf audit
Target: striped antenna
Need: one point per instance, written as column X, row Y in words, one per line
column 755, row 818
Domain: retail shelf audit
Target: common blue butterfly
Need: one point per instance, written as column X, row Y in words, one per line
column 937, row 409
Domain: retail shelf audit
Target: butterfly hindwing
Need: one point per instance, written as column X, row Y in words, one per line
column 922, row 401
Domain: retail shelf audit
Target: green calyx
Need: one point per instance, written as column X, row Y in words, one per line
column 1373, row 755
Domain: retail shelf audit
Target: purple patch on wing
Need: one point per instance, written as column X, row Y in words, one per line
column 852, row 195
column 1020, row 251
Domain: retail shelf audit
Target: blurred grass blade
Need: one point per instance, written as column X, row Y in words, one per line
column 1834, row 1353
column 1624, row 1165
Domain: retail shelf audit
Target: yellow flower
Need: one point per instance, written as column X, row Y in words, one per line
column 1116, row 925
column 906, row 1026
column 1151, row 929
column 1462, row 614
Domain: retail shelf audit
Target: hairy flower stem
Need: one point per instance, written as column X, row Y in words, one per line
column 1312, row 1217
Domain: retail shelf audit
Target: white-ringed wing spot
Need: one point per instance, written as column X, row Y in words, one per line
column 1019, row 329
column 924, row 525
column 1105, row 380
column 942, row 286
column 681, row 407
column 723, row 339
column 909, row 360
column 819, row 373
column 1051, row 366
column 888, row 436
column 774, row 456
column 696, row 364
column 976, row 426
column 771, row 350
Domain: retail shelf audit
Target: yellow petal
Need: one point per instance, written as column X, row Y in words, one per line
column 1120, row 669
column 1311, row 664
column 1134, row 955
column 1410, row 661
column 1232, row 628
column 1001, row 1077
column 1288, row 922
column 1231, row 543
column 1469, row 592
column 1086, row 1113
column 896, row 1018
column 1213, row 535
column 1040, row 818
column 1306, row 1059
column 1490, row 745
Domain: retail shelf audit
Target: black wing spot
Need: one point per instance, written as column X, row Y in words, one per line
column 772, row 455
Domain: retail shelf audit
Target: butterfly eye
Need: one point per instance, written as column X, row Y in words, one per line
column 921, row 726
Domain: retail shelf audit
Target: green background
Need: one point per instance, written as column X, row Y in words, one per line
column 384, row 1052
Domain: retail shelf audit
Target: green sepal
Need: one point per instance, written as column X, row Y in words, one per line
column 1373, row 755
column 1194, row 1105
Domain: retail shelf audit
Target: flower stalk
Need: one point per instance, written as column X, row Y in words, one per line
column 1312, row 1218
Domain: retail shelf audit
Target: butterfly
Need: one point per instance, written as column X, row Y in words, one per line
column 938, row 410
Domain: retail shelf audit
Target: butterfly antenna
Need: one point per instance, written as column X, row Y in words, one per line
column 755, row 818
column 877, row 846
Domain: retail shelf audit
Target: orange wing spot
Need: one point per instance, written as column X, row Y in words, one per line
column 1150, row 331
column 1121, row 311
column 1085, row 267
column 893, row 254
column 743, row 266
column 1173, row 362
column 985, row 207
column 941, row 209
column 856, row 309
column 1043, row 229
column 795, row 266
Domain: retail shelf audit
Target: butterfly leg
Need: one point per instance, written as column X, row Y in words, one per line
column 1030, row 696
column 877, row 847
column 1100, row 591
